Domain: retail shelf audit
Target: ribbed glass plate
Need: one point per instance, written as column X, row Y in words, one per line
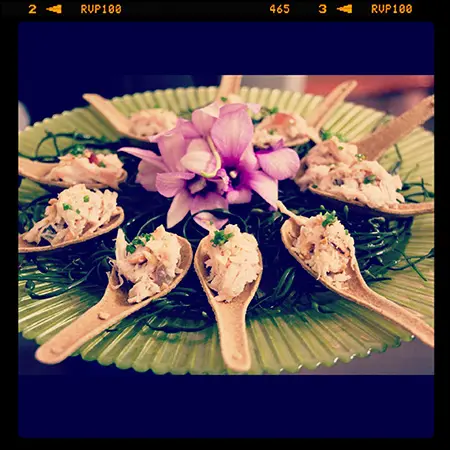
column 279, row 341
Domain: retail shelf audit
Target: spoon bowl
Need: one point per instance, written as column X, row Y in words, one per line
column 37, row 171
column 373, row 147
column 115, row 222
column 112, row 308
column 400, row 210
column 113, row 116
column 230, row 316
column 357, row 290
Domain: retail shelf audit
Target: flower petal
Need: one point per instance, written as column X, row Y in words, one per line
column 180, row 206
column 265, row 186
column 146, row 176
column 146, row 155
column 248, row 159
column 172, row 147
column 169, row 184
column 232, row 107
column 279, row 164
column 222, row 181
column 202, row 122
column 187, row 129
column 254, row 107
column 208, row 201
column 198, row 158
column 240, row 195
column 232, row 134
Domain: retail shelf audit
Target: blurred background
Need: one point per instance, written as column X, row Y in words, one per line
column 393, row 94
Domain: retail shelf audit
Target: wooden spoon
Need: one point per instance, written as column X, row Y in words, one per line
column 112, row 308
column 37, row 171
column 230, row 316
column 122, row 124
column 374, row 146
column 115, row 222
column 330, row 103
column 229, row 84
column 400, row 210
column 356, row 289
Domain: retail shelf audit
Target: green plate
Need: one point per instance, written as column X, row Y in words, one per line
column 279, row 342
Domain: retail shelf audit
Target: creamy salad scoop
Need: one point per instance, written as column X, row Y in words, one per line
column 144, row 270
column 296, row 130
column 229, row 266
column 76, row 215
column 140, row 125
column 325, row 249
column 94, row 170
column 349, row 173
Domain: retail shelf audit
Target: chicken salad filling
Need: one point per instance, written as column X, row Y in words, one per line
column 77, row 211
column 232, row 262
column 150, row 262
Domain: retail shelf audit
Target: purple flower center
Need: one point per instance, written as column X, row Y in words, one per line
column 235, row 177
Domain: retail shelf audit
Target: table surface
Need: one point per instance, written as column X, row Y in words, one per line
column 411, row 358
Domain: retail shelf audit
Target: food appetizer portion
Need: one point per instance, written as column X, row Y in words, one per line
column 80, row 165
column 150, row 262
column 76, row 215
column 156, row 270
column 295, row 130
column 150, row 122
column 325, row 249
column 233, row 262
column 229, row 266
column 337, row 167
column 88, row 167
column 292, row 128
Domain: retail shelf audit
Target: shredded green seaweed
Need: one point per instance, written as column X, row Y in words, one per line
column 379, row 242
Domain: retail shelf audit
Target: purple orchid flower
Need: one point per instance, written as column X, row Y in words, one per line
column 279, row 162
column 165, row 174
column 206, row 164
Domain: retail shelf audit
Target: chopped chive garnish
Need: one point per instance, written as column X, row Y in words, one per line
column 131, row 248
column 273, row 110
column 156, row 106
column 77, row 150
column 346, row 212
column 346, row 232
column 330, row 217
column 101, row 164
column 272, row 132
column 224, row 99
column 220, row 238
column 66, row 206
column 369, row 179
column 315, row 186
column 78, row 211
column 340, row 147
column 360, row 157
column 86, row 198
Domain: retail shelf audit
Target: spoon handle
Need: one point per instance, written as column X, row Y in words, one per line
column 227, row 86
column 90, row 324
column 326, row 109
column 109, row 112
column 396, row 313
column 376, row 144
column 233, row 336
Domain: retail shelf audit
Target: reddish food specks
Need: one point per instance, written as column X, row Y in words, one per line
column 93, row 158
